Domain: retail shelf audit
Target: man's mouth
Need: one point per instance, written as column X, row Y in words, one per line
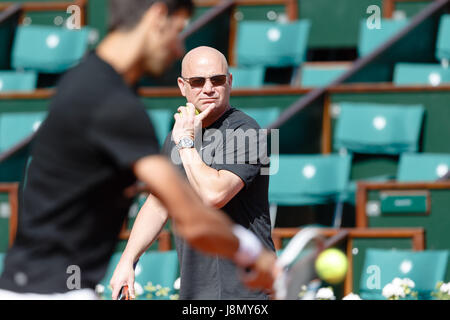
column 209, row 100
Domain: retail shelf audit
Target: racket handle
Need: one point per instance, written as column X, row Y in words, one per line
column 124, row 294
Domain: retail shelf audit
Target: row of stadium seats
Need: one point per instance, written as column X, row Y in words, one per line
column 360, row 127
column 15, row 126
column 260, row 45
column 313, row 75
column 378, row 255
column 344, row 17
column 155, row 282
column 264, row 44
column 299, row 180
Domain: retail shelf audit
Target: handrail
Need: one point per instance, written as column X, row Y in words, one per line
column 303, row 102
column 163, row 92
column 45, row 5
column 207, row 17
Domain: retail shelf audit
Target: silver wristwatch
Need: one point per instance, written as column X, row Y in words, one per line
column 185, row 142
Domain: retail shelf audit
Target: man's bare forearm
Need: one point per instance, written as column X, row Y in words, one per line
column 148, row 224
column 201, row 177
column 216, row 188
column 206, row 229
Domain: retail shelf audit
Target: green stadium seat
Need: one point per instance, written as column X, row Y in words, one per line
column 416, row 73
column 371, row 39
column 309, row 180
column 423, row 167
column 264, row 116
column 373, row 128
column 11, row 81
column 425, row 268
column 15, row 126
column 154, row 269
column 298, row 180
column 252, row 77
column 48, row 49
column 272, row 44
column 320, row 76
column 161, row 120
column 443, row 39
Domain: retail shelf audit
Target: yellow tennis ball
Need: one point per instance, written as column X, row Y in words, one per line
column 331, row 265
column 196, row 113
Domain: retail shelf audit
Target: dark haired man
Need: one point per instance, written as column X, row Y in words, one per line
column 96, row 140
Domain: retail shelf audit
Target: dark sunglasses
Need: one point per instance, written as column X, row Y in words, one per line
column 199, row 82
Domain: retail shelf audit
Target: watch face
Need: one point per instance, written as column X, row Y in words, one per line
column 186, row 143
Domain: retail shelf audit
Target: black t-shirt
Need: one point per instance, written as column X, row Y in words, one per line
column 73, row 202
column 206, row 277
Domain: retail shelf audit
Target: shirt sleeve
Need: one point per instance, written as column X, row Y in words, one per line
column 123, row 131
column 239, row 154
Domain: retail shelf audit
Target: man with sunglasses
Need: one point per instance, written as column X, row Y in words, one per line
column 201, row 144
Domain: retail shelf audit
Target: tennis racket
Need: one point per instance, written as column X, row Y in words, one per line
column 297, row 264
column 124, row 294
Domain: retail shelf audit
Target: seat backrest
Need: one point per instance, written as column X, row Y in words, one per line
column 264, row 43
column 15, row 126
column 155, row 270
column 11, row 81
column 48, row 49
column 320, row 76
column 443, row 39
column 422, row 166
column 161, row 120
column 371, row 39
column 418, row 73
column 425, row 268
column 308, row 179
column 264, row 116
column 252, row 77
column 378, row 128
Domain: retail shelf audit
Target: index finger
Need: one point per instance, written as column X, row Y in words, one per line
column 115, row 291
column 207, row 111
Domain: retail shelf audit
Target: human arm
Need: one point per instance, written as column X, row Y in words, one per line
column 148, row 224
column 215, row 187
column 204, row 228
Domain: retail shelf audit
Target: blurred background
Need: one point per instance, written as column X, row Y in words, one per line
column 360, row 93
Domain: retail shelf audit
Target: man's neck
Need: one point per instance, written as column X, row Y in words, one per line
column 214, row 117
column 118, row 53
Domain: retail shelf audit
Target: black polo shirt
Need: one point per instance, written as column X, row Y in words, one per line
column 73, row 204
column 206, row 277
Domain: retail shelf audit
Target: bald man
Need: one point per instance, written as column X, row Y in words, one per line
column 204, row 144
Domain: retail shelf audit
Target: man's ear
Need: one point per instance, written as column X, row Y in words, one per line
column 156, row 15
column 182, row 86
column 231, row 80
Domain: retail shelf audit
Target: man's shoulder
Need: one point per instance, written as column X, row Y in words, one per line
column 94, row 82
column 239, row 119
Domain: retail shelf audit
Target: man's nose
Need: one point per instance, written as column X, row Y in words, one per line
column 208, row 87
